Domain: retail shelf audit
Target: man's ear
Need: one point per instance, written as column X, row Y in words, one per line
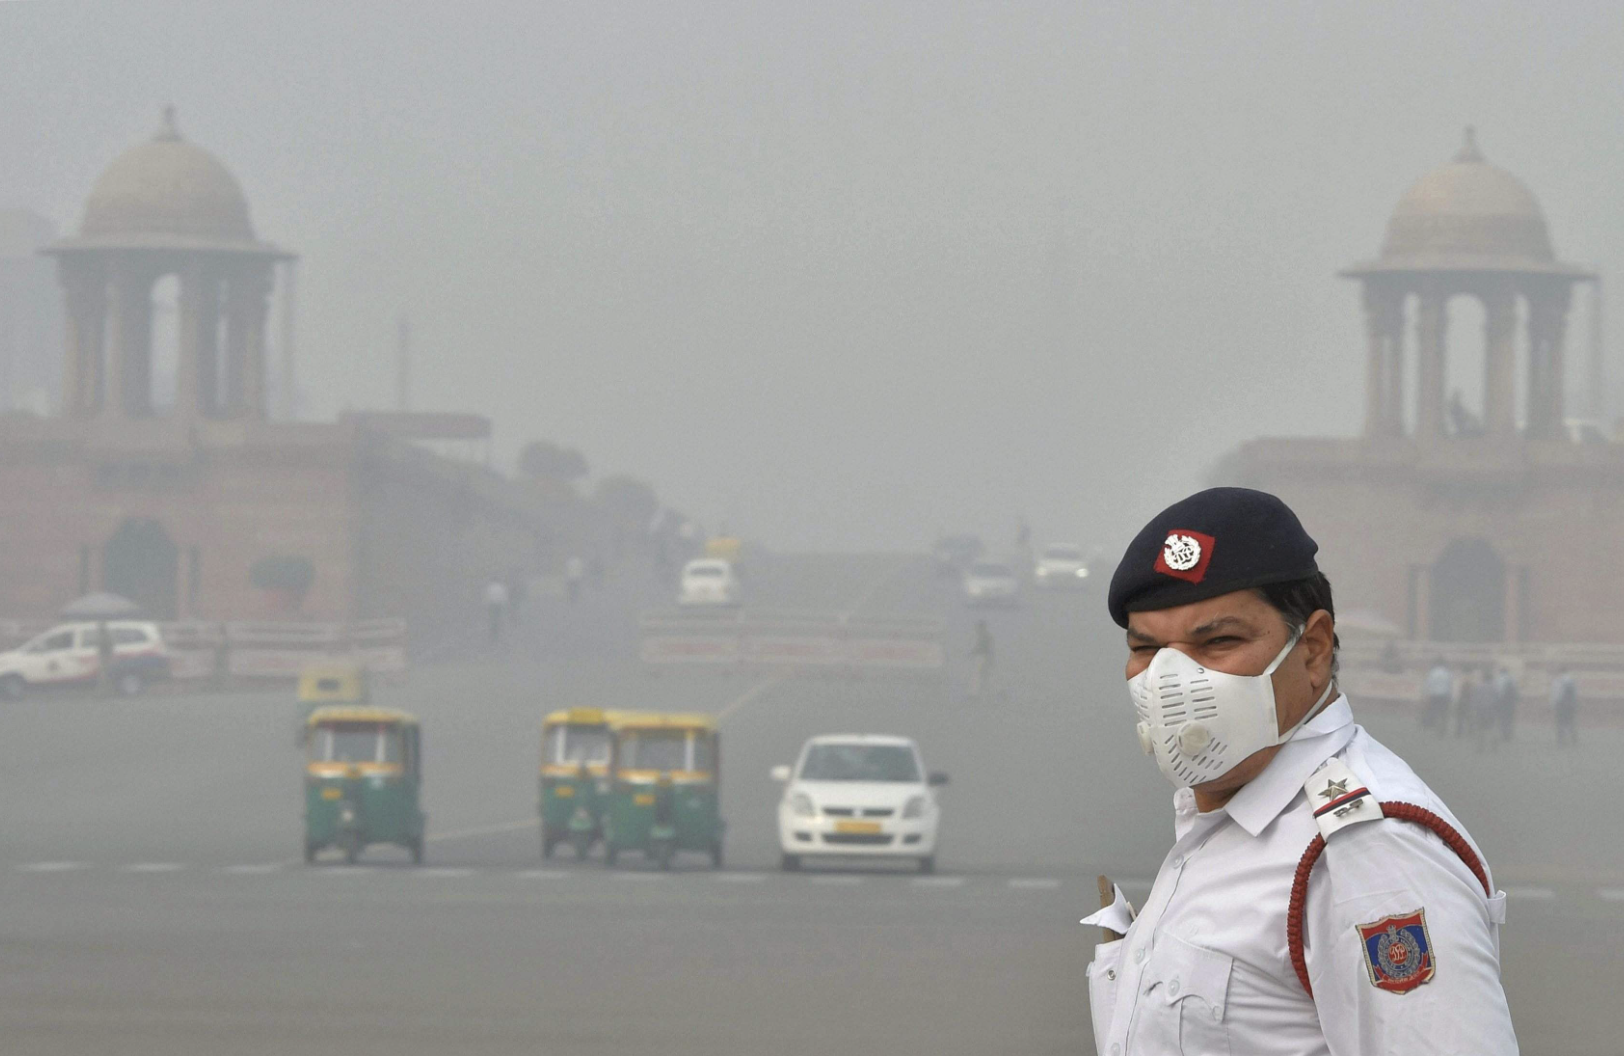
column 1319, row 644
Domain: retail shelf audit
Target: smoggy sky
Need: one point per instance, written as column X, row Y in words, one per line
column 841, row 275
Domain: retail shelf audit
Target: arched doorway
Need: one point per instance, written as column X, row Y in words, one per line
column 141, row 562
column 1468, row 595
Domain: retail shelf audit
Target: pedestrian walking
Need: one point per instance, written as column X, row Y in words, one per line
column 1506, row 697
column 1482, row 700
column 496, row 604
column 982, row 655
column 1439, row 690
column 1252, row 940
column 574, row 573
column 1565, row 707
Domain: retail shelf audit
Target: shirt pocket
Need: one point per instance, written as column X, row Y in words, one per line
column 1187, row 986
column 1102, row 974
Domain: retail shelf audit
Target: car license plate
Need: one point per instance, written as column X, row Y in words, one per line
column 332, row 792
column 643, row 799
column 865, row 828
column 564, row 791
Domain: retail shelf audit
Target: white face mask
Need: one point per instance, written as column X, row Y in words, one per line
column 1199, row 723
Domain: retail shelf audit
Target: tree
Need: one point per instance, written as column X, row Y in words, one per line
column 546, row 462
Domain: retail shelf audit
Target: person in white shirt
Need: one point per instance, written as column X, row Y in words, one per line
column 1318, row 897
column 1440, row 693
column 496, row 603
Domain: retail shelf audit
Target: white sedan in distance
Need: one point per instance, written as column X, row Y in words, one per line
column 1061, row 566
column 709, row 581
column 858, row 795
column 988, row 583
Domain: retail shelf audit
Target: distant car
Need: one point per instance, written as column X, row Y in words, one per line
column 1060, row 566
column 709, row 581
column 858, row 795
column 68, row 655
column 954, row 553
column 991, row 583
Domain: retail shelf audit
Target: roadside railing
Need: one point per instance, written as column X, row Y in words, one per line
column 792, row 641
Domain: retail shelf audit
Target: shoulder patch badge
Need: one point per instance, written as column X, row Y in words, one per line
column 1398, row 952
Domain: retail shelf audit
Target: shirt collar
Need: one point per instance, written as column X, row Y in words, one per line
column 1262, row 799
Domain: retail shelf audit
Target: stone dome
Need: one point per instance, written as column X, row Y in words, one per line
column 1469, row 208
column 167, row 187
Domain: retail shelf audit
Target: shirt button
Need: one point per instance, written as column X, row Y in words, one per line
column 1217, row 1013
column 1173, row 987
column 1110, row 973
column 1178, row 861
column 1139, row 955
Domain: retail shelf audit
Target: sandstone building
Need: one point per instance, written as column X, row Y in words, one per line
column 163, row 477
column 1499, row 525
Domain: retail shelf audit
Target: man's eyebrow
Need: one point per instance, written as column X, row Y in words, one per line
column 1221, row 622
column 1140, row 636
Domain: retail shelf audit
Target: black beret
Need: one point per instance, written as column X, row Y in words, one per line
column 1214, row 542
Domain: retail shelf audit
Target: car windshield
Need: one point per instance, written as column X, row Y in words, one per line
column 860, row 762
column 1063, row 553
column 577, row 744
column 706, row 572
column 356, row 742
column 989, row 570
column 654, row 750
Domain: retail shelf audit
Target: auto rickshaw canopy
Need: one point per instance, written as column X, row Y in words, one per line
column 333, row 682
column 342, row 713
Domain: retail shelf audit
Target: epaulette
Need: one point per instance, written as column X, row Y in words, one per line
column 1339, row 799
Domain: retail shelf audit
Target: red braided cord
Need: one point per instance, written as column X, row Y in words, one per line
column 1297, row 909
column 1294, row 912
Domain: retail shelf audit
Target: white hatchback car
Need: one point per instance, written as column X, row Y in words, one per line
column 1061, row 566
column 709, row 581
column 991, row 583
column 858, row 795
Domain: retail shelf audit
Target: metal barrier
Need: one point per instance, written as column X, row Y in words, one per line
column 1393, row 672
column 792, row 641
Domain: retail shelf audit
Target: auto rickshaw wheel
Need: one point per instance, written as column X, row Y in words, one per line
column 547, row 842
column 790, row 863
column 666, row 854
column 352, row 851
column 610, row 853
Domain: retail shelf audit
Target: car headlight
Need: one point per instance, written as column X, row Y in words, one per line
column 1082, row 573
column 801, row 804
column 915, row 807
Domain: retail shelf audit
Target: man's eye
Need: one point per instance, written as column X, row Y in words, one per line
column 1225, row 639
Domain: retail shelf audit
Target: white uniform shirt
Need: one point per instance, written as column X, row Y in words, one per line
column 1440, row 683
column 1205, row 967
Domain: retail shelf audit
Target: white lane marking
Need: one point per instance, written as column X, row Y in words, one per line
column 343, row 870
column 837, row 881
column 938, row 881
column 544, row 874
column 51, row 867
column 749, row 695
column 739, row 878
column 152, row 867
column 1610, row 894
column 252, row 870
column 483, row 830
column 1539, row 894
column 442, row 872
column 640, row 877
column 1040, row 883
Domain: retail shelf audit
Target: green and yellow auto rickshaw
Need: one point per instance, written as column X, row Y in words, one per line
column 574, row 778
column 664, row 795
column 363, row 771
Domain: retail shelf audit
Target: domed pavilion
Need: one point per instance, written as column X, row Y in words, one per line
column 166, row 207
column 1466, row 228
column 1474, row 536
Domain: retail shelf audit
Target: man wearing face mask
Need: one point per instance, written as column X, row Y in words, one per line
column 1318, row 898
